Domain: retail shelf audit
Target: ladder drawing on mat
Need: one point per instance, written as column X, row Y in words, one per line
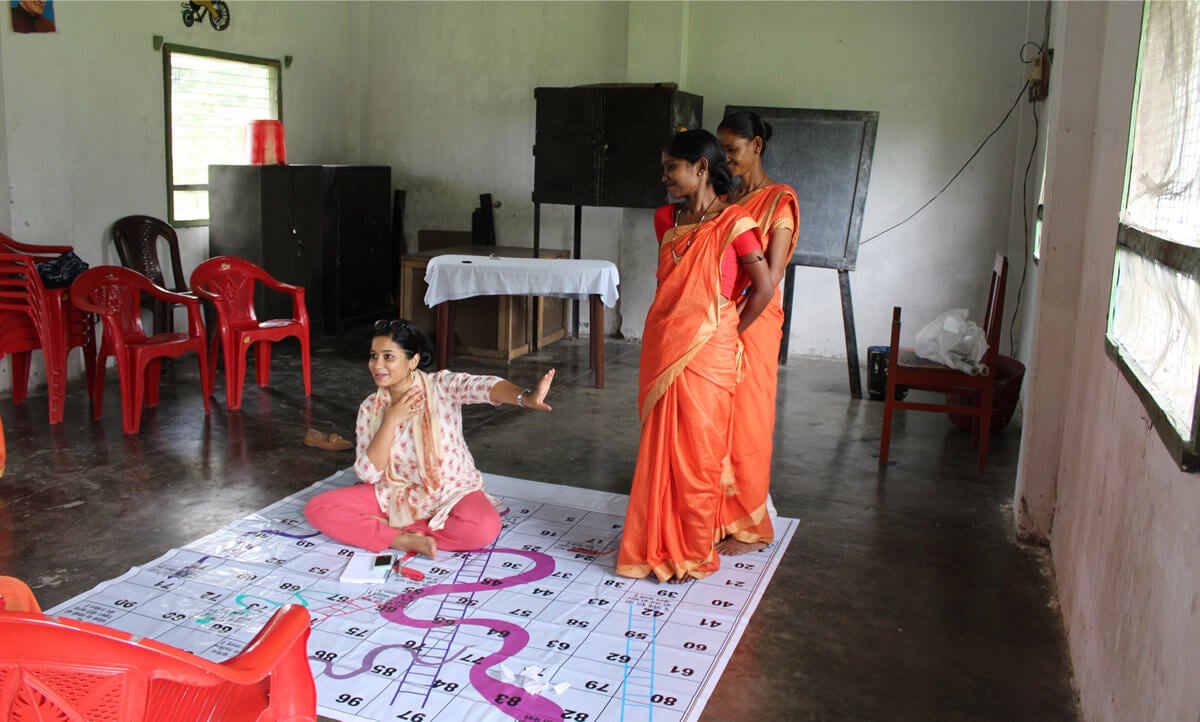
column 433, row 650
column 637, row 687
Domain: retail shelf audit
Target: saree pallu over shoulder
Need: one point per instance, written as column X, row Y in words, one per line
column 688, row 374
column 687, row 306
column 775, row 206
column 744, row 514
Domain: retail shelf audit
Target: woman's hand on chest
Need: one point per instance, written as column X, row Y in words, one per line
column 410, row 405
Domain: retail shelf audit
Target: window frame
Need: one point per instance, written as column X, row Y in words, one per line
column 1186, row 261
column 1180, row 258
column 167, row 50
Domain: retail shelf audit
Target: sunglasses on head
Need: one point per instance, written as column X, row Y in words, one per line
column 397, row 325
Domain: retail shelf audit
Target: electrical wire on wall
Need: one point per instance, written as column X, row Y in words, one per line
column 957, row 173
column 1012, row 324
column 1040, row 53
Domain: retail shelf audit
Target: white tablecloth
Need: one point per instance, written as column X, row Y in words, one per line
column 453, row 277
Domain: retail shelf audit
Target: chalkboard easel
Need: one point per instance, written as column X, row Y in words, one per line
column 826, row 156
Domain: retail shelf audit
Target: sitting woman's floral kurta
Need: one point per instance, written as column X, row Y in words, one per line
column 430, row 467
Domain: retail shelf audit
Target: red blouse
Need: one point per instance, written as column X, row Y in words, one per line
column 748, row 242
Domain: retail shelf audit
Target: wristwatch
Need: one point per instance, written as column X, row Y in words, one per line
column 521, row 397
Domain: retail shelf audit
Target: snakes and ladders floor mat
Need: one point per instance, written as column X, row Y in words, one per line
column 536, row 628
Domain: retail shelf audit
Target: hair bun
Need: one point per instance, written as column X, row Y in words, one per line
column 766, row 134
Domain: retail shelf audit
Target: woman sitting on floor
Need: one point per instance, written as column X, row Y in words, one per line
column 422, row 490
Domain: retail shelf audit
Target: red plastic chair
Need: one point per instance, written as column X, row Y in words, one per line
column 116, row 293
column 34, row 317
column 136, row 238
column 55, row 668
column 229, row 284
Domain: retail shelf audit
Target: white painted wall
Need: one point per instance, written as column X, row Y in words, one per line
column 5, row 194
column 456, row 120
column 451, row 109
column 941, row 75
column 83, row 112
column 443, row 92
column 1122, row 520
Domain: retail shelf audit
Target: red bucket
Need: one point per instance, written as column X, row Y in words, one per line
column 264, row 143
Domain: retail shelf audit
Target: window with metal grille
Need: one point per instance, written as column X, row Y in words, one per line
column 210, row 97
column 1154, row 310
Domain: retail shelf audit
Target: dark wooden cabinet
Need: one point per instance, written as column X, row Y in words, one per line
column 326, row 228
column 600, row 145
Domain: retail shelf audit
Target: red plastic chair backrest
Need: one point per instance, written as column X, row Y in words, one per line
column 228, row 282
column 40, row 253
column 67, row 669
column 136, row 238
column 22, row 296
column 115, row 293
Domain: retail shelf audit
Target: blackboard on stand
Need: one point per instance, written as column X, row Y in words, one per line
column 826, row 156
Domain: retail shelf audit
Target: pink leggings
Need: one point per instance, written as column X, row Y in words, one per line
column 351, row 515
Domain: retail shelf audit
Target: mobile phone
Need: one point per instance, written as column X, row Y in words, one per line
column 382, row 560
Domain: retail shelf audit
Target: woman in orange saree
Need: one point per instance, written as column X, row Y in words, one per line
column 689, row 366
column 745, row 522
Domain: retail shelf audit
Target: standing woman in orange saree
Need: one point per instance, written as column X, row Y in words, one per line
column 689, row 365
column 745, row 523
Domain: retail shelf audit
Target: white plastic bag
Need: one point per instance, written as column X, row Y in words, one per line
column 952, row 340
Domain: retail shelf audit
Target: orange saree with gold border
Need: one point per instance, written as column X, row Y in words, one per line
column 744, row 512
column 687, row 375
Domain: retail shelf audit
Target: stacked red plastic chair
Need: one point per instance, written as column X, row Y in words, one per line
column 116, row 294
column 53, row 668
column 229, row 283
column 33, row 317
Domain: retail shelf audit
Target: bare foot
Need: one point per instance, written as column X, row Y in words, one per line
column 730, row 547
column 419, row 543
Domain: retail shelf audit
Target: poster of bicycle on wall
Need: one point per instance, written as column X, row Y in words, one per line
column 216, row 11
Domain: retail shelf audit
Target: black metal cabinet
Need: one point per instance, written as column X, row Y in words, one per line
column 326, row 228
column 600, row 145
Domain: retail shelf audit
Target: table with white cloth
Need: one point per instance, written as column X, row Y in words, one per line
column 455, row 277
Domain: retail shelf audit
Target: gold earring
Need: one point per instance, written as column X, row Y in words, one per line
column 412, row 373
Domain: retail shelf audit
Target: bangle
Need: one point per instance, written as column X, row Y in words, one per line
column 521, row 397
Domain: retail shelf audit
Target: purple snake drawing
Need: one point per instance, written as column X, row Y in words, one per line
column 510, row 699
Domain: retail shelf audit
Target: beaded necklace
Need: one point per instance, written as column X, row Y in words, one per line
column 691, row 235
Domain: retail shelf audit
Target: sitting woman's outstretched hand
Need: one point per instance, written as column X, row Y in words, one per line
column 537, row 398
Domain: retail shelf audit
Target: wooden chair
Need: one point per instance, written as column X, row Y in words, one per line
column 55, row 668
column 136, row 238
column 905, row 368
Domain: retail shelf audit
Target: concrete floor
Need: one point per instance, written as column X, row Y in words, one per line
column 900, row 598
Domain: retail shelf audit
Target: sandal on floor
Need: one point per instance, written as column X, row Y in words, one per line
column 332, row 442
